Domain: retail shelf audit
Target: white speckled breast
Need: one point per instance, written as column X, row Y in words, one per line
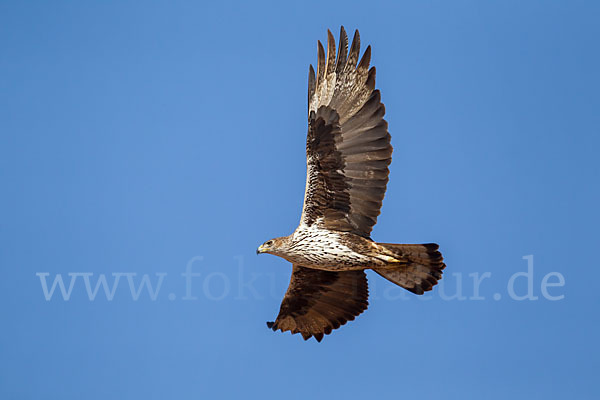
column 313, row 246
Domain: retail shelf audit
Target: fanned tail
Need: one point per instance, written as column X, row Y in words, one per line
column 419, row 266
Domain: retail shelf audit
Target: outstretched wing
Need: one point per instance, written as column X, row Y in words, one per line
column 316, row 302
column 348, row 146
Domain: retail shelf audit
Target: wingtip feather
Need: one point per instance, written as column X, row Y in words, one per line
column 342, row 50
column 363, row 65
column 321, row 63
column 354, row 49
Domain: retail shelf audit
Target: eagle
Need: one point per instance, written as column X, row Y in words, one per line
column 348, row 152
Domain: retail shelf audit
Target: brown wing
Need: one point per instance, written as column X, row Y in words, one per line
column 316, row 302
column 348, row 146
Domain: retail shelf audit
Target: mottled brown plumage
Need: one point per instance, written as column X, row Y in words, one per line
column 317, row 302
column 348, row 152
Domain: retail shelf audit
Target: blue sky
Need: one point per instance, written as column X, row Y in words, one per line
column 140, row 138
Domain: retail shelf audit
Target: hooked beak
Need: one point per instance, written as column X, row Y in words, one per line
column 260, row 249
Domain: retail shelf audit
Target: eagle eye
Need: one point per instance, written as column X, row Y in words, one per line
column 269, row 243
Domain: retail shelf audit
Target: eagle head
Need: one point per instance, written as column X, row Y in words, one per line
column 275, row 246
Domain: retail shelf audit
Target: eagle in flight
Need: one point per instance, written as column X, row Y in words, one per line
column 348, row 152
